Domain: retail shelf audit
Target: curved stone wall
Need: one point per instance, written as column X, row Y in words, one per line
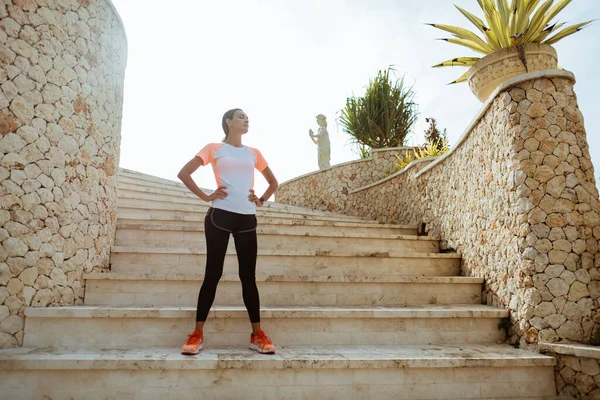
column 516, row 197
column 342, row 178
column 61, row 79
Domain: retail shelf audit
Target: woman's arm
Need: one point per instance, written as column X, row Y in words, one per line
column 273, row 184
column 185, row 175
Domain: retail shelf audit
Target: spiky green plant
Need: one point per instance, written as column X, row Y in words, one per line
column 508, row 23
column 432, row 148
column 363, row 151
column 404, row 161
column 384, row 116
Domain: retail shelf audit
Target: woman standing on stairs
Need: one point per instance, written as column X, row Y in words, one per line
column 232, row 211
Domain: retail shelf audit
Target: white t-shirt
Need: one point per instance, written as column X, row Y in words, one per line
column 234, row 168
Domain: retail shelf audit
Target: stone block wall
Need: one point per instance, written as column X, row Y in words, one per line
column 62, row 65
column 516, row 197
column 577, row 371
column 340, row 179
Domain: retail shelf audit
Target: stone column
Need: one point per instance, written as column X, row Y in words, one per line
column 561, row 214
column 62, row 65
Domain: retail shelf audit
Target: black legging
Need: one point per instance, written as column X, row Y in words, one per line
column 218, row 225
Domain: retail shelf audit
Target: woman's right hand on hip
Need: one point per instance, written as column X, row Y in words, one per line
column 220, row 193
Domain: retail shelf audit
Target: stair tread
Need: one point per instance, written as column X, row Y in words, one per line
column 287, row 357
column 297, row 253
column 286, row 278
column 129, row 194
column 273, row 231
column 150, row 226
column 263, row 220
column 424, row 311
column 273, row 208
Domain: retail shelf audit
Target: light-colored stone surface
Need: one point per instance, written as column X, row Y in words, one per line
column 494, row 69
column 61, row 75
column 136, row 185
column 283, row 290
column 340, row 296
column 275, row 262
column 577, row 371
column 283, row 225
column 371, row 372
column 159, row 236
column 166, row 326
column 513, row 214
column 343, row 178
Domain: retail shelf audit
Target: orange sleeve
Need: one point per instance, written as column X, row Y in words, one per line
column 260, row 163
column 206, row 154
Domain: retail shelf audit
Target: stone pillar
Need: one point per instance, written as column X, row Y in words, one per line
column 62, row 65
column 561, row 214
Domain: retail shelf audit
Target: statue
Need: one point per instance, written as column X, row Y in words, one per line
column 321, row 139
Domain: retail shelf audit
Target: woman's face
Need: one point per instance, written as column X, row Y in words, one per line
column 239, row 122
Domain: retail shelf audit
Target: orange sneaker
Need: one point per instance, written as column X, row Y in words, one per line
column 261, row 343
column 193, row 344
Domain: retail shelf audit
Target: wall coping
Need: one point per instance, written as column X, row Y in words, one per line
column 572, row 349
column 392, row 149
column 553, row 73
column 346, row 163
column 395, row 174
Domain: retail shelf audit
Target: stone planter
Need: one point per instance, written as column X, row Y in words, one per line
column 489, row 72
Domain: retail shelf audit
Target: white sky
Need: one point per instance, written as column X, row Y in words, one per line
column 285, row 61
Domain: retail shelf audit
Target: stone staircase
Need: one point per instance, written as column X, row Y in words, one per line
column 358, row 310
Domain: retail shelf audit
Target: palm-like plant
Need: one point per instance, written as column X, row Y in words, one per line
column 508, row 23
column 384, row 116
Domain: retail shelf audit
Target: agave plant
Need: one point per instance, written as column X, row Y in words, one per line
column 507, row 25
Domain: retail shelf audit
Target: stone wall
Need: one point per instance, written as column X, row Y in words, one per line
column 577, row 371
column 516, row 197
column 62, row 65
column 342, row 178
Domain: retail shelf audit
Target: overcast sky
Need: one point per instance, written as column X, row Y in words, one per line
column 285, row 61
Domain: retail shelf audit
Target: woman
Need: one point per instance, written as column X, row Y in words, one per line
column 233, row 211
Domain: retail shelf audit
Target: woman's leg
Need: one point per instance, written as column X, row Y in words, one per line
column 216, row 246
column 246, row 249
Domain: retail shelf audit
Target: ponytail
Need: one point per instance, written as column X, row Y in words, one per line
column 228, row 115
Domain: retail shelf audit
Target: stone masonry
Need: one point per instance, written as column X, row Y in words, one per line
column 516, row 197
column 62, row 66
column 342, row 178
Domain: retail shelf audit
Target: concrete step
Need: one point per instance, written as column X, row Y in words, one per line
column 283, row 225
column 300, row 372
column 110, row 327
column 146, row 290
column 128, row 203
column 190, row 199
column 127, row 259
column 141, row 177
column 132, row 179
column 167, row 210
column 175, row 188
column 157, row 235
